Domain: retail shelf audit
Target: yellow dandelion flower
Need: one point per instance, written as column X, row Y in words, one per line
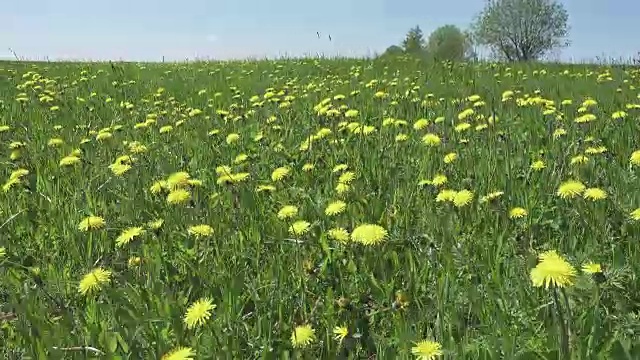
column 552, row 270
column 55, row 142
column 265, row 188
column 340, row 333
column 202, row 230
column 635, row 158
column 465, row 114
column 439, row 180
column 134, row 261
column 462, row 198
column 178, row 180
column 15, row 155
column 450, row 157
column 338, row 234
column 165, row 129
column 591, row 268
column 538, row 165
column 128, row 235
column 431, row 139
column 346, row 177
column 240, row 159
column 91, row 223
column 103, row 136
column 517, row 213
column 287, row 212
column 17, row 174
column 307, row 167
column 570, row 189
column 339, row 168
column 299, row 227
column 351, row 113
column 119, row 169
column 594, row 194
column 223, row 170
column 595, row 150
column 232, row 178
column 303, row 336
column 69, row 161
column 181, row 353
column 427, row 350
column 635, row 214
column 94, row 280
column 232, row 138
column 462, row 127
column 579, row 160
column 342, row 188
column 124, row 159
column 194, row 182
column 155, row 224
column 420, row 124
column 402, row 137
column 158, row 186
column 491, row 196
column 16, row 145
column 369, row 234
column 619, row 115
column 335, row 208
column 76, row 152
column 446, row 195
column 10, row 183
column 198, row 313
column 137, row 148
column 178, row 196
column 280, row 173
column 559, row 132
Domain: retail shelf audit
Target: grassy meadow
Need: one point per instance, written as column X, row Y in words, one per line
column 319, row 209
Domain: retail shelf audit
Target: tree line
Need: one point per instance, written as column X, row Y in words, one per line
column 512, row 30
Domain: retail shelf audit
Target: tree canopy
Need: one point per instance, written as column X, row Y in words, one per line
column 513, row 30
column 414, row 42
column 393, row 50
column 522, row 30
column 448, row 42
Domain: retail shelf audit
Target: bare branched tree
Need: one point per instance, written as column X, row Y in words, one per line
column 522, row 30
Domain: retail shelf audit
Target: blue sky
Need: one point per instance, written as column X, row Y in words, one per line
column 147, row 30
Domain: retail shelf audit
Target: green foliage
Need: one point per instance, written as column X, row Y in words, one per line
column 448, row 42
column 458, row 275
column 393, row 50
column 414, row 42
column 522, row 30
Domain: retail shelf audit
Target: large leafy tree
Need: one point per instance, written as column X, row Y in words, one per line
column 413, row 42
column 522, row 30
column 448, row 42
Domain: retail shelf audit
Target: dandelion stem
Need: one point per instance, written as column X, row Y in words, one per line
column 595, row 320
column 90, row 247
column 564, row 335
column 81, row 348
column 11, row 218
column 568, row 314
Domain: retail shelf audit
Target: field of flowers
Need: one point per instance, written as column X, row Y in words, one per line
column 334, row 209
